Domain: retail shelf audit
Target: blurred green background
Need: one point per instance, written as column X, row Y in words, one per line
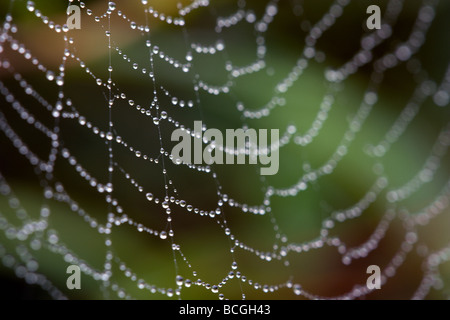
column 202, row 240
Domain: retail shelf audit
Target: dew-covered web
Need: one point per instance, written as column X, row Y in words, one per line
column 87, row 177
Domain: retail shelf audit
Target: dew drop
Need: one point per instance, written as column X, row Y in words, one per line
column 60, row 81
column 112, row 6
column 163, row 235
column 30, row 6
column 149, row 196
column 297, row 289
column 50, row 75
column 82, row 121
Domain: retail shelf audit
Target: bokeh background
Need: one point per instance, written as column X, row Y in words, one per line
column 202, row 239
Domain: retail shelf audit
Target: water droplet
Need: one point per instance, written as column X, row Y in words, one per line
column 109, row 188
column 220, row 45
column 30, row 6
column 50, row 75
column 215, row 289
column 179, row 280
column 82, row 121
column 297, row 289
column 60, row 81
column 149, row 196
column 163, row 235
column 156, row 120
column 163, row 115
column 133, row 25
column 112, row 6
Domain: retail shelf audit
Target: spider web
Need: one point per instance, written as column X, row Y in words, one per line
column 87, row 177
